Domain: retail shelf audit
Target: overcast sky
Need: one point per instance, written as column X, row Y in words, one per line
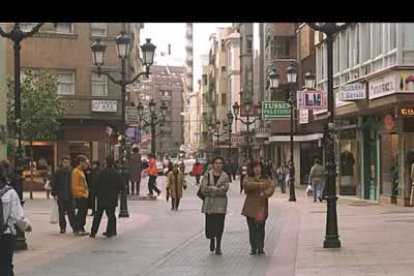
column 174, row 33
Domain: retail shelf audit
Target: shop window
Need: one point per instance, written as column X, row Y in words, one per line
column 348, row 163
column 389, row 164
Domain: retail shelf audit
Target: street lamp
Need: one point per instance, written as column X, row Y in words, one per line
column 123, row 42
column 310, row 80
column 247, row 107
column 214, row 129
column 230, row 118
column 331, row 235
column 153, row 119
column 17, row 36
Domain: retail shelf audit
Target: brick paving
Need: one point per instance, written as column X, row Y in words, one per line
column 376, row 240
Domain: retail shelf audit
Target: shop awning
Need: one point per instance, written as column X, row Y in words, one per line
column 296, row 138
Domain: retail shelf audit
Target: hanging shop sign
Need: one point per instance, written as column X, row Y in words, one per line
column 311, row 99
column 352, row 92
column 275, row 110
column 303, row 116
column 104, row 105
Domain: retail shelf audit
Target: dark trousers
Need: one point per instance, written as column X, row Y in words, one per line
column 234, row 175
column 135, row 185
column 151, row 185
column 111, row 226
column 175, row 202
column 256, row 234
column 6, row 254
column 66, row 207
column 198, row 179
column 215, row 227
column 82, row 205
column 92, row 201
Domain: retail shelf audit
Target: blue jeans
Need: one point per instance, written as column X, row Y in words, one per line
column 317, row 190
column 282, row 186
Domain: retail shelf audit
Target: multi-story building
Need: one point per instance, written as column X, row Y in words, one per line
column 3, row 100
column 373, row 85
column 92, row 102
column 168, row 84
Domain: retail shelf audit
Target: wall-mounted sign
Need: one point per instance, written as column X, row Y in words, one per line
column 351, row 92
column 391, row 83
column 104, row 105
column 275, row 110
column 404, row 111
column 311, row 99
column 131, row 115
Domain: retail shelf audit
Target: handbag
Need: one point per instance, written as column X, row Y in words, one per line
column 54, row 213
column 48, row 186
column 199, row 192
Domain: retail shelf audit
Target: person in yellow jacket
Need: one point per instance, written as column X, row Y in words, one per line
column 80, row 194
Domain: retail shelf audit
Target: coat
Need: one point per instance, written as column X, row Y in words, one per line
column 216, row 194
column 152, row 167
column 110, row 183
column 252, row 201
column 317, row 174
column 93, row 179
column 176, row 191
column 62, row 184
column 135, row 167
column 197, row 169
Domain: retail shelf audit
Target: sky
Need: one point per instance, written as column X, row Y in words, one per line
column 162, row 34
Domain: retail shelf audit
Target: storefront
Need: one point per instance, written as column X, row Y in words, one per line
column 348, row 158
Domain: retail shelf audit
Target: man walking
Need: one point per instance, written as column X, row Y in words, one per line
column 153, row 173
column 109, row 185
column 93, row 181
column 80, row 194
column 135, row 169
column 62, row 192
column 197, row 171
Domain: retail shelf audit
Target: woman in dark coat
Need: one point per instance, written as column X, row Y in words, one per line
column 108, row 187
column 258, row 189
column 135, row 169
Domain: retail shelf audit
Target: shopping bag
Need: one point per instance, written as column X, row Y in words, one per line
column 54, row 213
column 309, row 190
column 48, row 186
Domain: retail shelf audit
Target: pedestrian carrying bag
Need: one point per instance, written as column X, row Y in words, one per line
column 54, row 213
column 199, row 192
column 3, row 225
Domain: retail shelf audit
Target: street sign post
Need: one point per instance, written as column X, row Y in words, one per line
column 275, row 110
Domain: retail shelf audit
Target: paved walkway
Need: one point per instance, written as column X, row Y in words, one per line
column 376, row 240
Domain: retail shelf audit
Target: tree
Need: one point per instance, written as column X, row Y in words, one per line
column 41, row 109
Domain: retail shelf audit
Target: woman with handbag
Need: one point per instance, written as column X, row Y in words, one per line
column 258, row 189
column 213, row 191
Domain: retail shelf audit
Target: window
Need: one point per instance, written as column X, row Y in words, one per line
column 223, row 68
column 27, row 27
column 99, row 85
column 281, row 47
column 376, row 39
column 223, row 99
column 66, row 84
column 66, row 28
column 393, row 36
column 336, row 52
column 99, row 29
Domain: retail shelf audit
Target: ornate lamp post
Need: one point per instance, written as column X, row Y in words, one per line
column 17, row 36
column 123, row 42
column 153, row 119
column 247, row 107
column 331, row 236
column 230, row 118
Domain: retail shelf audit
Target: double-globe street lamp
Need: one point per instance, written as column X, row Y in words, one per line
column 331, row 235
column 291, row 72
column 153, row 120
column 17, row 36
column 214, row 129
column 123, row 44
column 247, row 108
